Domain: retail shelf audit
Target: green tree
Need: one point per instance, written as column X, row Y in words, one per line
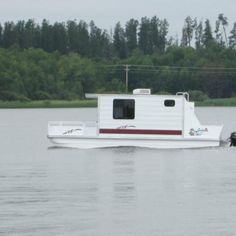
column 19, row 30
column 184, row 39
column 207, row 34
column 199, row 38
column 72, row 33
column 164, row 25
column 219, row 38
column 215, row 85
column 119, row 41
column 37, row 43
column 155, row 33
column 131, row 35
column 78, row 37
column 188, row 30
column 223, row 21
column 47, row 39
column 1, row 35
column 76, row 74
column 83, row 38
column 232, row 37
column 158, row 33
column 99, row 42
column 30, row 34
column 60, row 40
column 9, row 35
column 144, row 42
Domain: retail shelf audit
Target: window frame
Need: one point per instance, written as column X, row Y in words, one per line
column 126, row 116
column 169, row 102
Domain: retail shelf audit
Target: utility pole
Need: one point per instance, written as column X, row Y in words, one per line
column 127, row 78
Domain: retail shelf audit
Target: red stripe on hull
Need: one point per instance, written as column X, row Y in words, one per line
column 140, row 131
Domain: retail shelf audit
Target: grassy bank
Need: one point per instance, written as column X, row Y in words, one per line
column 93, row 103
column 221, row 102
column 49, row 104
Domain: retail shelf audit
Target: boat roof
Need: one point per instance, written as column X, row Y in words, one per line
column 96, row 96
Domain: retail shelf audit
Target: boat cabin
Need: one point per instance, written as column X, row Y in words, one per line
column 143, row 114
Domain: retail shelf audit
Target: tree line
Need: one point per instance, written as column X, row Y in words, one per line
column 65, row 60
column 87, row 39
column 150, row 35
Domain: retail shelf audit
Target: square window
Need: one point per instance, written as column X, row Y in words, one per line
column 123, row 109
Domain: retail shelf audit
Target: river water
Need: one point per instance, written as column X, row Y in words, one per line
column 116, row 191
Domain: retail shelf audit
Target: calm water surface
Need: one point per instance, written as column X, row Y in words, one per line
column 112, row 192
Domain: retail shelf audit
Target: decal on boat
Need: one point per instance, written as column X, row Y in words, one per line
column 71, row 131
column 126, row 126
column 197, row 132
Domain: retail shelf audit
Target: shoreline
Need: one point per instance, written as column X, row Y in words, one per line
column 48, row 104
column 223, row 102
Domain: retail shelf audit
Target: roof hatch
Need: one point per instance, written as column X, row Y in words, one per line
column 142, row 91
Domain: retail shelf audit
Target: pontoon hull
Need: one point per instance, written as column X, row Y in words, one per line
column 87, row 143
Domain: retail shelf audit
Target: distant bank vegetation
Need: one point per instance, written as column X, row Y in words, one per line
column 64, row 60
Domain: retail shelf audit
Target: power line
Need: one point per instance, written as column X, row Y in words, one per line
column 131, row 70
column 175, row 67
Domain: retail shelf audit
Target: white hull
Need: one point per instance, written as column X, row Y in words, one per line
column 87, row 143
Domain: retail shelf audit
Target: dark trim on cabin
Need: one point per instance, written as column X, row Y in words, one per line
column 140, row 131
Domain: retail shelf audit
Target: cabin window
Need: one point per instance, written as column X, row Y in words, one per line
column 123, row 109
column 169, row 103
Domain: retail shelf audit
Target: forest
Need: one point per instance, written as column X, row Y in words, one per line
column 65, row 60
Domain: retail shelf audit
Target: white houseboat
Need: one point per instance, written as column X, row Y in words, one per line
column 139, row 119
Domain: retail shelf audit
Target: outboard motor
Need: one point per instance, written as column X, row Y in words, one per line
column 233, row 139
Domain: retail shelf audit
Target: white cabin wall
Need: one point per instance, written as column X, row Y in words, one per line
column 190, row 119
column 150, row 113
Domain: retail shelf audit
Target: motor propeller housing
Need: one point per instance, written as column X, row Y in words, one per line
column 233, row 139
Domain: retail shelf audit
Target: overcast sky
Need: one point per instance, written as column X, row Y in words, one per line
column 106, row 13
